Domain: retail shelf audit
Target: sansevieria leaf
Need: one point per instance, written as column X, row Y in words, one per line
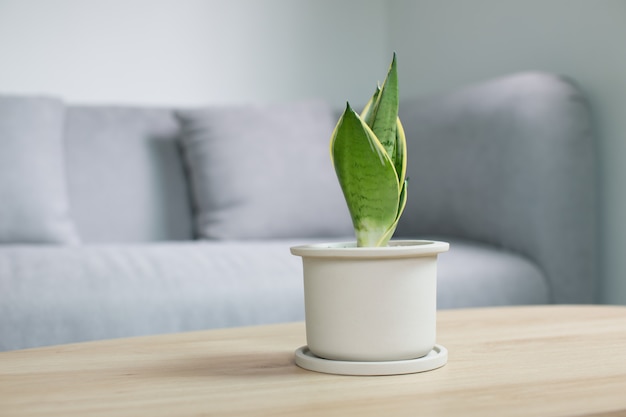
column 369, row 156
column 367, row 177
column 383, row 113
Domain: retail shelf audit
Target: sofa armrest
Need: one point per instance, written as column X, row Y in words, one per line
column 511, row 163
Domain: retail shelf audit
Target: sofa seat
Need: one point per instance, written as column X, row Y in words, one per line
column 74, row 294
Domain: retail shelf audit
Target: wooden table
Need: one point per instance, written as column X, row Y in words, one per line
column 511, row 361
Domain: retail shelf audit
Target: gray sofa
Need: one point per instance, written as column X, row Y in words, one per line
column 120, row 221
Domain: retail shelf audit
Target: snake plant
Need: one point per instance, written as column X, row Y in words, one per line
column 368, row 152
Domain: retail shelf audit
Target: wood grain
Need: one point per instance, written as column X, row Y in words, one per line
column 509, row 361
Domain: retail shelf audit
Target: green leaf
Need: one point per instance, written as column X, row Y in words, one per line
column 383, row 113
column 370, row 158
column 402, row 204
column 400, row 159
column 367, row 177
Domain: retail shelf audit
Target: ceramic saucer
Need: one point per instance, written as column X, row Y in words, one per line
column 436, row 358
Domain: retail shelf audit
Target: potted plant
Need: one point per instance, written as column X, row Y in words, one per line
column 370, row 305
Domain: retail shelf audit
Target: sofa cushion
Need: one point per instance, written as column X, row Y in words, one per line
column 126, row 177
column 34, row 206
column 263, row 171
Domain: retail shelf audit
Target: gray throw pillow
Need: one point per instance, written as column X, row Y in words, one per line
column 263, row 171
column 34, row 204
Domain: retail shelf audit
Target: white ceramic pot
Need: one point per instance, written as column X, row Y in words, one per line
column 370, row 304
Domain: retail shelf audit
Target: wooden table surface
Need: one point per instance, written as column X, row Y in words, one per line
column 510, row 361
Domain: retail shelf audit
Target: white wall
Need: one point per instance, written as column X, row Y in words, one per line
column 444, row 44
column 192, row 51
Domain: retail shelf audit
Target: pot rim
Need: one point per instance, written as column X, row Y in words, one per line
column 395, row 249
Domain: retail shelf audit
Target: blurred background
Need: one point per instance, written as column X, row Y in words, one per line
column 195, row 52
